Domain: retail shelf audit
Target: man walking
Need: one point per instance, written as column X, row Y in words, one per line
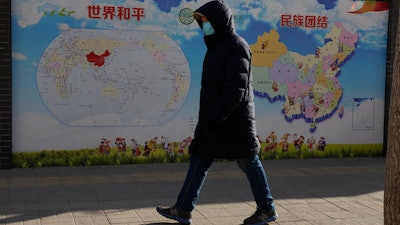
column 226, row 128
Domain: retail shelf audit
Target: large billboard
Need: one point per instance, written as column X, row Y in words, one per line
column 88, row 72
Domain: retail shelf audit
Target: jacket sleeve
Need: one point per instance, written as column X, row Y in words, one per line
column 235, row 86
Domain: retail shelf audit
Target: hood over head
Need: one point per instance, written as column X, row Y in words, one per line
column 220, row 16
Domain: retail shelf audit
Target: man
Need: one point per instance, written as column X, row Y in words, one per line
column 226, row 127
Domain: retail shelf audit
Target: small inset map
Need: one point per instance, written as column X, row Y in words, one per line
column 363, row 113
column 113, row 78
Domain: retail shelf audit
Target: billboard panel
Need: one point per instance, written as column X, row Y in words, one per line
column 87, row 72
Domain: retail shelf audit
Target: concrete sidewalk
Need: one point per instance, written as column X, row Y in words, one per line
column 309, row 191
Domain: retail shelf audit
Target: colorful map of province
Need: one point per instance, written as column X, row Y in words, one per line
column 307, row 85
column 97, row 60
column 267, row 49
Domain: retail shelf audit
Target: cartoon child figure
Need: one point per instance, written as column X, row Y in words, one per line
column 182, row 146
column 121, row 144
column 105, row 147
column 135, row 148
column 275, row 86
column 164, row 143
column 321, row 144
column 170, row 150
column 317, row 52
column 147, row 148
column 298, row 142
column 285, row 143
column 341, row 111
column 310, row 143
column 271, row 142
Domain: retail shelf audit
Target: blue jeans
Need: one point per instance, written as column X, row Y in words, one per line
column 197, row 173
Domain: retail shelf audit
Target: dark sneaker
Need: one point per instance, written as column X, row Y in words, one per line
column 261, row 217
column 175, row 214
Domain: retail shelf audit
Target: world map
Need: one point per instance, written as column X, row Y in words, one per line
column 113, row 78
column 307, row 84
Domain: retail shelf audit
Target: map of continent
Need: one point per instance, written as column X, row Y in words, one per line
column 113, row 78
column 307, row 84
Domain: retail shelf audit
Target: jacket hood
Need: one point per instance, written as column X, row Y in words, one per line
column 220, row 16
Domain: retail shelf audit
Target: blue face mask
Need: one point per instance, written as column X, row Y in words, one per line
column 208, row 29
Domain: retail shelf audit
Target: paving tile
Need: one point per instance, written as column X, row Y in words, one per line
column 309, row 192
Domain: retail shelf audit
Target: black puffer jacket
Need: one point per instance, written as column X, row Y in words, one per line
column 226, row 126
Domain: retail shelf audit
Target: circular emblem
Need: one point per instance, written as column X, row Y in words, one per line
column 186, row 16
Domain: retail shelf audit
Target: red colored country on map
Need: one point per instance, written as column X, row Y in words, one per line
column 98, row 60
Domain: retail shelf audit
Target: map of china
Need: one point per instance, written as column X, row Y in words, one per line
column 307, row 84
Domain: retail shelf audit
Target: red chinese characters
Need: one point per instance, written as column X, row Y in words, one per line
column 114, row 12
column 307, row 21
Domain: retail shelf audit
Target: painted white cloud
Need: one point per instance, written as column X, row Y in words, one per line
column 372, row 24
column 25, row 13
column 19, row 56
column 63, row 26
